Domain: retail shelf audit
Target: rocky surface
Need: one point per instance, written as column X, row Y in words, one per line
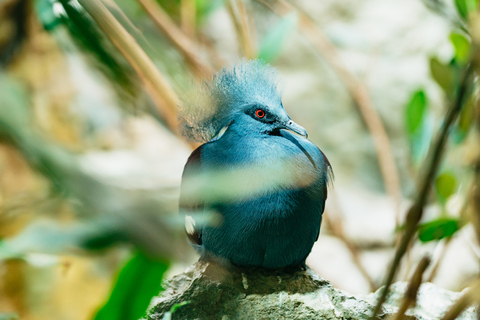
column 213, row 292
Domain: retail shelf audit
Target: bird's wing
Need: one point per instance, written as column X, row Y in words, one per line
column 330, row 175
column 187, row 207
column 329, row 180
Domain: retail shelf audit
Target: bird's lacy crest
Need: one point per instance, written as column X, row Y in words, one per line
column 208, row 108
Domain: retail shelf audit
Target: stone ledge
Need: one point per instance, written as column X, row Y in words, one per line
column 217, row 293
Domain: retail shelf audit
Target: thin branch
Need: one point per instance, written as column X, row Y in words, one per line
column 410, row 296
column 178, row 38
column 243, row 26
column 358, row 92
column 435, row 268
column 430, row 171
column 467, row 299
column 157, row 85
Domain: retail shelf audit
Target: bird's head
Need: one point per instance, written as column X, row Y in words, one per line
column 246, row 95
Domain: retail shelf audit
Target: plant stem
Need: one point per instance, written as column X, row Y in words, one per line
column 430, row 170
column 410, row 296
column 178, row 38
column 157, row 85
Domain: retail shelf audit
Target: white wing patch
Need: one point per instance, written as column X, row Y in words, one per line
column 220, row 134
column 190, row 224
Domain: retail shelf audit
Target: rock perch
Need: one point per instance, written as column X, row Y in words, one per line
column 216, row 293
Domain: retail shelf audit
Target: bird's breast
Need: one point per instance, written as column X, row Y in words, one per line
column 254, row 166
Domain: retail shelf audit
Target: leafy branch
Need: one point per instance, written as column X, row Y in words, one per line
column 430, row 170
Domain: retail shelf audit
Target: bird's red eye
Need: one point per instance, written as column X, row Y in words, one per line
column 260, row 113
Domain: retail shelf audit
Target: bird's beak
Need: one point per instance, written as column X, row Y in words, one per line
column 290, row 125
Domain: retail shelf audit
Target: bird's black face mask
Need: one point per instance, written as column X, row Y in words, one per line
column 274, row 119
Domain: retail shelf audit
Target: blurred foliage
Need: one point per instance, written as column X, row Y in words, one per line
column 203, row 8
column 462, row 48
column 438, row 229
column 271, row 45
column 418, row 131
column 139, row 280
column 127, row 227
column 445, row 185
column 92, row 41
column 8, row 316
column 465, row 7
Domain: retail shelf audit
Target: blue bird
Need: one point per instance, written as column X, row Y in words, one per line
column 266, row 185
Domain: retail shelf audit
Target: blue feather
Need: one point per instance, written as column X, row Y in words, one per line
column 210, row 107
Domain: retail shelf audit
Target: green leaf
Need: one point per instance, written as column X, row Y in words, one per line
column 438, row 229
column 176, row 306
column 445, row 185
column 417, row 127
column 444, row 75
column 465, row 7
column 138, row 281
column 462, row 48
column 465, row 121
column 272, row 43
column 206, row 8
column 415, row 112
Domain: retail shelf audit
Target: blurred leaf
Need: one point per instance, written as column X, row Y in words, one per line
column 46, row 13
column 48, row 236
column 205, row 8
column 444, row 75
column 465, row 121
column 416, row 112
column 139, row 280
column 106, row 57
column 8, row 316
column 272, row 43
column 14, row 102
column 7, row 253
column 419, row 131
column 175, row 307
column 462, row 48
column 465, row 7
column 438, row 229
column 445, row 185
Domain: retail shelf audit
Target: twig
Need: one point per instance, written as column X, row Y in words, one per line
column 243, row 26
column 357, row 90
column 157, row 85
column 178, row 38
column 475, row 216
column 435, row 268
column 411, row 294
column 467, row 299
column 430, row 170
